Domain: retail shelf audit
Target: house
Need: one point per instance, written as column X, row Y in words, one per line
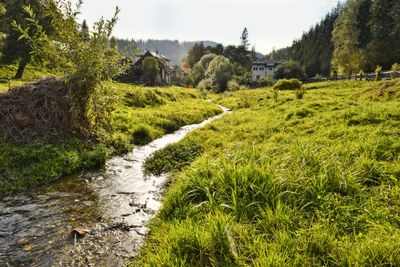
column 134, row 72
column 264, row 68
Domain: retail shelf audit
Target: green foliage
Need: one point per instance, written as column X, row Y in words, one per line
column 244, row 38
column 173, row 157
column 264, row 82
column 28, row 166
column 16, row 48
column 195, row 53
column 150, row 70
column 378, row 70
column 395, row 69
column 207, row 84
column 314, row 49
column 245, row 79
column 233, row 85
column 220, row 71
column 141, row 135
column 366, row 35
column 289, row 70
column 293, row 183
column 189, row 81
column 291, row 84
column 200, row 68
column 86, row 63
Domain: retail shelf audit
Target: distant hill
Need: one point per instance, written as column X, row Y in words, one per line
column 172, row 49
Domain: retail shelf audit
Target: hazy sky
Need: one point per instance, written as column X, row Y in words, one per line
column 271, row 23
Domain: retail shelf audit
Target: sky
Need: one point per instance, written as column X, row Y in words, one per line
column 270, row 23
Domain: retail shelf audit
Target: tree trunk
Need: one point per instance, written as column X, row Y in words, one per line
column 21, row 67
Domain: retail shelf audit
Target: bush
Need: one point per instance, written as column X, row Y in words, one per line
column 289, row 70
column 150, row 70
column 300, row 92
column 173, row 157
column 206, row 84
column 233, row 85
column 263, row 82
column 291, row 84
column 142, row 135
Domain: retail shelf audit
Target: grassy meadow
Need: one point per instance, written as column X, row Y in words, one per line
column 309, row 182
column 139, row 115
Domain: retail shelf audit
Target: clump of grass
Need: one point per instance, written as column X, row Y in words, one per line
column 173, row 157
column 142, row 135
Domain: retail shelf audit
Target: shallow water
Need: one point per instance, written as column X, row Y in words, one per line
column 114, row 203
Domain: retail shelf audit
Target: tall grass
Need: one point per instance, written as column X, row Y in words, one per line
column 299, row 182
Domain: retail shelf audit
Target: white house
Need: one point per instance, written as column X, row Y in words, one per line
column 264, row 68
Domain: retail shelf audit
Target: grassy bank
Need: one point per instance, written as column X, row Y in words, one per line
column 288, row 182
column 139, row 116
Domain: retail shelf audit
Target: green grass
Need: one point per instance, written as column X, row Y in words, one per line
column 161, row 110
column 31, row 74
column 312, row 181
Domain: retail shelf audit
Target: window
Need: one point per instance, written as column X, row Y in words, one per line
column 261, row 68
column 257, row 77
column 270, row 68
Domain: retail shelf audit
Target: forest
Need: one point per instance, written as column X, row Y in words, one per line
column 356, row 36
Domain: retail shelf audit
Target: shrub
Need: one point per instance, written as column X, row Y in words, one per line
column 395, row 69
column 289, row 70
column 263, row 82
column 142, row 135
column 173, row 157
column 233, row 85
column 291, row 84
column 206, row 84
column 150, row 70
column 378, row 70
column 300, row 92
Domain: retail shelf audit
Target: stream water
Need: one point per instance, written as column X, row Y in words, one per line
column 114, row 203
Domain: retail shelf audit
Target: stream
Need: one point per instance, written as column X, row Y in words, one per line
column 115, row 203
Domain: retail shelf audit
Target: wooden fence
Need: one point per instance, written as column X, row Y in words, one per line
column 384, row 75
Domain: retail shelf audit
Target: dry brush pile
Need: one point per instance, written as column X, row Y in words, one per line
column 36, row 112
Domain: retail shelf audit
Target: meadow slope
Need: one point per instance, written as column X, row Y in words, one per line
column 311, row 181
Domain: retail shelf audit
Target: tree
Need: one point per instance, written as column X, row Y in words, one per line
column 86, row 63
column 244, row 39
column 384, row 23
column 220, row 71
column 350, row 36
column 85, row 30
column 289, row 70
column 253, row 55
column 16, row 48
column 179, row 78
column 150, row 70
column 199, row 70
column 195, row 53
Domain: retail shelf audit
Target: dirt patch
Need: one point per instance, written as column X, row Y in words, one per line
column 35, row 112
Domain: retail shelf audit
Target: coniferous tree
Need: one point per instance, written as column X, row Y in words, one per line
column 195, row 53
column 244, row 38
